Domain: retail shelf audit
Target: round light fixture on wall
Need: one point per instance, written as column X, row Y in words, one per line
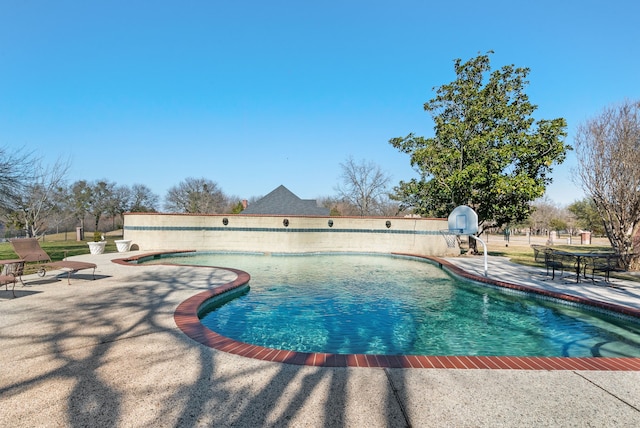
column 285, row 222
column 330, row 223
column 388, row 224
column 225, row 221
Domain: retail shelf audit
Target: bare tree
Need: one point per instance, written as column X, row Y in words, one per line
column 543, row 213
column 196, row 195
column 16, row 168
column 570, row 220
column 119, row 203
column 100, row 201
column 608, row 152
column 143, row 199
column 62, row 213
column 35, row 203
column 364, row 186
column 79, row 199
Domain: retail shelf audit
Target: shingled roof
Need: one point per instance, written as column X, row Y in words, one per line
column 281, row 201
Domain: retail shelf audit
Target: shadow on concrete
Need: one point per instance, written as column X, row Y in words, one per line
column 105, row 353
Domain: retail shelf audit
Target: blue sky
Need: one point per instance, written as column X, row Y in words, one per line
column 254, row 94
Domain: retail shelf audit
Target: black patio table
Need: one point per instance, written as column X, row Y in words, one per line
column 581, row 257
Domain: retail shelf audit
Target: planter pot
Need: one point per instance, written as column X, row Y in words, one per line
column 123, row 245
column 97, row 247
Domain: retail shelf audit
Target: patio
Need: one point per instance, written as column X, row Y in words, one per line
column 108, row 353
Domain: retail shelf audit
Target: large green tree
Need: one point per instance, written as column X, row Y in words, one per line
column 488, row 151
column 587, row 216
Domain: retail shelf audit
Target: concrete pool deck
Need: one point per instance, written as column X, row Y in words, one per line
column 108, row 353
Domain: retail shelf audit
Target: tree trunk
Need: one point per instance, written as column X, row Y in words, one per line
column 473, row 244
column 626, row 246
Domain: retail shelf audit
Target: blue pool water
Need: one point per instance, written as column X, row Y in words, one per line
column 375, row 304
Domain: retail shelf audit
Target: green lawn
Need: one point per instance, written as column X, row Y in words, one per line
column 58, row 248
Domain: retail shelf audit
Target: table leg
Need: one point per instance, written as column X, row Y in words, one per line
column 578, row 270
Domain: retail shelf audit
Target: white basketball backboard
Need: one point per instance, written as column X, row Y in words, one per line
column 464, row 220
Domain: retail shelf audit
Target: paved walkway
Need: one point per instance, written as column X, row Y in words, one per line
column 616, row 292
column 108, row 353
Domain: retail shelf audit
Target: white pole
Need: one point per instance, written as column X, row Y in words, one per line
column 486, row 260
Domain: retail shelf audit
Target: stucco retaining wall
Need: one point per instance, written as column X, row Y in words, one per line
column 150, row 231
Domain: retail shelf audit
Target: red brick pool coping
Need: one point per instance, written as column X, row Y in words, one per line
column 187, row 320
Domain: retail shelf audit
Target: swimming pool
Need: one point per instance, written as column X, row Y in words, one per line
column 378, row 304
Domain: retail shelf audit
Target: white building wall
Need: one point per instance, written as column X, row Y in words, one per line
column 151, row 232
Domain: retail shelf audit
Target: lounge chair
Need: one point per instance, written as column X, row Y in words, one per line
column 6, row 280
column 29, row 250
column 11, row 270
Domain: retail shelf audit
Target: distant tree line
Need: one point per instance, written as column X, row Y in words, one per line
column 39, row 201
column 547, row 216
column 36, row 199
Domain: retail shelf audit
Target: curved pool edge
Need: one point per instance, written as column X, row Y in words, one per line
column 456, row 270
column 133, row 260
column 187, row 320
